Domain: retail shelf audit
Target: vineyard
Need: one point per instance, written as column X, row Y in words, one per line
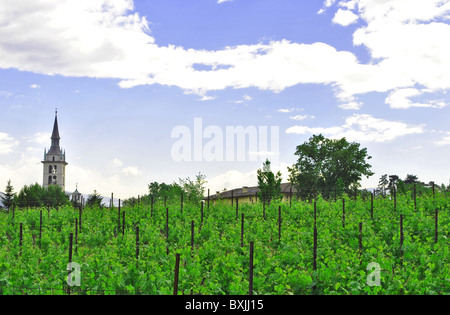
column 320, row 247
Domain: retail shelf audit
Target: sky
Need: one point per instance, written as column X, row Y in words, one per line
column 159, row 90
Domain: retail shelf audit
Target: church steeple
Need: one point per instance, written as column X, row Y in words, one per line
column 55, row 148
column 54, row 160
column 55, row 134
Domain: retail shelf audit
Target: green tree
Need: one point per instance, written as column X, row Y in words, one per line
column 411, row 179
column 37, row 196
column 401, row 187
column 163, row 191
column 393, row 180
column 339, row 187
column 382, row 184
column 94, row 200
column 194, row 189
column 131, row 202
column 269, row 184
column 322, row 162
column 153, row 190
column 8, row 199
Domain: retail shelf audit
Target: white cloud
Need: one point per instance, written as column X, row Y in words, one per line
column 350, row 5
column 405, row 36
column 444, row 141
column 5, row 94
column 207, row 98
column 289, row 110
column 116, row 162
column 400, row 99
column 231, row 179
column 245, row 98
column 327, row 4
column 222, row 1
column 301, row 117
column 41, row 138
column 406, row 40
column 24, row 170
column 301, row 130
column 106, row 39
column 35, row 86
column 351, row 105
column 131, row 170
column 103, row 181
column 362, row 128
column 345, row 17
column 7, row 143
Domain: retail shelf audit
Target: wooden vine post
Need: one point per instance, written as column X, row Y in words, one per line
column 279, row 223
column 371, row 205
column 192, row 235
column 70, row 246
column 290, row 196
column 343, row 213
column 242, row 230
column 137, row 246
column 167, row 223
column 250, row 270
column 201, row 212
column 315, row 213
column 435, row 225
column 79, row 218
column 76, row 235
column 395, row 200
column 151, row 207
column 401, row 239
column 20, row 239
column 264, row 209
column 360, row 241
column 40, row 228
column 176, row 274
column 123, row 223
column 315, row 249
column 70, row 257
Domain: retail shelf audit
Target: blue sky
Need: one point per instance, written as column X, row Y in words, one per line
column 125, row 75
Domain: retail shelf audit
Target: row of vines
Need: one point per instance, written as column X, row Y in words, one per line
column 321, row 247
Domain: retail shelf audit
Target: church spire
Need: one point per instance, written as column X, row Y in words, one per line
column 55, row 133
column 54, row 160
column 55, row 148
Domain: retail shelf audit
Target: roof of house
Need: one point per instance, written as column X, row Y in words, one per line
column 248, row 191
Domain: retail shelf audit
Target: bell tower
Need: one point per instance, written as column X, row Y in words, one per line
column 55, row 161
